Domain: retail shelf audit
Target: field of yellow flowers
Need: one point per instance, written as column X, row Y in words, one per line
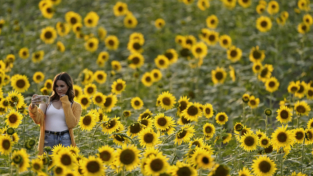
column 167, row 87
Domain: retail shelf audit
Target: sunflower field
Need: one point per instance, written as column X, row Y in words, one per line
column 167, row 87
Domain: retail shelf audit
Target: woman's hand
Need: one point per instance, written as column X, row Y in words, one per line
column 34, row 101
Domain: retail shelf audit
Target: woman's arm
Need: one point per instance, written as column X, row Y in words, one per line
column 72, row 115
column 36, row 114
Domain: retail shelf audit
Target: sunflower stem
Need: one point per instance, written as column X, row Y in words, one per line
column 281, row 162
column 200, row 172
column 174, row 159
column 298, row 121
column 302, row 154
column 123, row 173
column 266, row 121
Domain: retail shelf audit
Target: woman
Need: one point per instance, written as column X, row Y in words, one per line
column 58, row 118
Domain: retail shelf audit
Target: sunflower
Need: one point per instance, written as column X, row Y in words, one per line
column 37, row 165
column 20, row 83
column 118, row 86
column 253, row 102
column 225, row 41
column 111, row 42
column 284, row 114
column 120, row 139
column 59, row 170
column 84, row 101
column 38, row 56
column 60, row 47
column 111, row 125
column 161, row 62
column 272, row 7
column 302, row 90
column 136, row 103
column 280, row 21
column 265, row 72
column 218, row 75
column 92, row 166
column 102, row 33
column 263, row 165
column 134, row 46
column 309, row 136
column 130, row 21
column 116, row 65
column 38, row 77
column 20, row 159
column 16, row 99
column 179, row 39
column 256, row 55
column 310, row 124
column 72, row 18
column 303, row 28
column 293, row 87
column 159, row 23
column 23, row 53
column 212, row 21
column 91, row 44
column 127, row 113
column 203, row 4
column 48, row 35
column 302, row 108
column 147, row 114
column 264, row 142
column 221, row 118
column 148, row 138
column 91, row 19
column 271, row 84
column 249, row 142
column 182, row 169
column 282, row 138
column 100, row 76
column 6, row 144
column 136, row 60
column 226, row 138
column 137, row 37
column 183, row 103
column 147, row 79
column 15, row 138
column 167, row 100
column 106, row 154
column 120, row 9
column 299, row 135
column 128, row 156
column 162, row 122
column 47, row 11
column 87, row 122
column 192, row 112
column 65, row 158
column 232, row 73
column 110, row 102
column 263, row 24
column 234, row 54
column 310, row 93
column 98, row 99
column 244, row 3
column 90, row 90
column 14, row 119
column 308, row 19
column 199, row 50
column 245, row 171
column 63, row 29
column 184, row 134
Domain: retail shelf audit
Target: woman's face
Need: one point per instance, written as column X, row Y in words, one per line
column 61, row 87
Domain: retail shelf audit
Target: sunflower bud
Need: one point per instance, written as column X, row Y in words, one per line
column 168, row 75
column 47, row 149
column 126, row 113
column 160, row 85
column 27, row 146
column 136, row 74
column 10, row 131
column 32, row 142
column 45, row 160
column 112, row 73
column 17, row 159
column 245, row 98
column 268, row 112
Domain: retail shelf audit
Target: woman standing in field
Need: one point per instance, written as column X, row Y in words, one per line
column 57, row 118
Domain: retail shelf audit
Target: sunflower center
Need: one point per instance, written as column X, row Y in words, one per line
column 166, row 101
column 192, row 110
column 58, row 170
column 89, row 21
column 146, row 115
column 144, row 122
column 169, row 55
column 183, row 105
column 36, row 166
column 300, row 109
column 98, row 99
column 243, row 132
column 221, row 118
column 233, row 53
column 264, row 141
column 130, row 21
column 182, row 134
column 6, row 144
column 271, row 84
column 100, row 76
column 196, row 143
column 301, row 89
column 20, row 83
column 137, row 103
column 256, row 55
column 111, row 42
column 135, row 60
column 252, row 102
column 264, row 166
column 299, row 135
column 198, row 50
column 90, row 90
column 108, row 101
column 93, row 166
column 38, row 77
column 264, row 24
column 156, row 165
column 148, row 79
column 212, row 21
column 225, row 42
column 294, row 89
column 87, row 120
column 185, row 121
column 111, row 124
column 221, row 171
column 282, row 137
column 284, row 114
column 264, row 72
column 188, row 41
column 119, row 138
column 249, row 141
column 66, row 160
column 184, row 52
column 48, row 35
column 148, row 138
column 162, row 121
column 161, row 62
column 84, row 101
column 137, row 46
column 127, row 157
column 119, row 87
column 257, row 67
column 135, row 128
column 91, row 44
column 13, row 118
column 120, row 8
column 219, row 75
column 184, row 171
column 212, row 38
column 310, row 93
column 205, row 160
column 238, row 127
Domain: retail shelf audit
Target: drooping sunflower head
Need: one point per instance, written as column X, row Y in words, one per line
column 134, row 129
column 111, row 125
column 198, row 142
column 147, row 114
column 310, row 124
column 220, row 170
column 184, row 134
column 238, row 127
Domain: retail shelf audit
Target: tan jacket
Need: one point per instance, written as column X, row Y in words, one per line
column 72, row 116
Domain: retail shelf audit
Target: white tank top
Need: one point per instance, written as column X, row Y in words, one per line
column 55, row 119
